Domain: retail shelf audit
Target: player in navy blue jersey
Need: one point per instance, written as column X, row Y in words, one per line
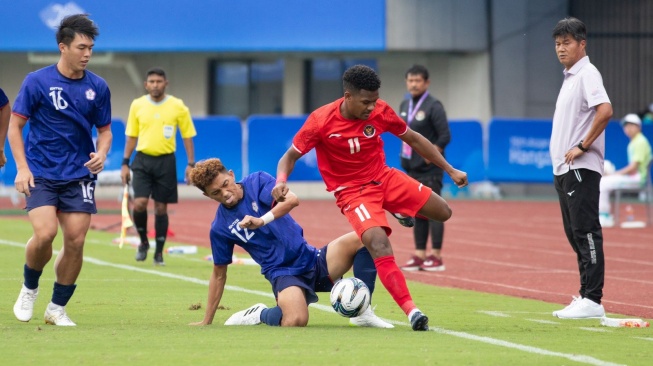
column 58, row 163
column 249, row 217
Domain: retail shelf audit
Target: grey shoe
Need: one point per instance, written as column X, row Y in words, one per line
column 406, row 221
column 419, row 321
column 141, row 254
column 158, row 259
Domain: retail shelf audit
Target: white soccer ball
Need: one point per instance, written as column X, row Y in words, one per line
column 350, row 297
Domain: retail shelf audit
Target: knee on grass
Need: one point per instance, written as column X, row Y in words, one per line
column 294, row 320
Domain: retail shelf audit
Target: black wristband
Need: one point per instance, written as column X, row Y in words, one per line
column 580, row 146
column 125, row 161
column 192, row 165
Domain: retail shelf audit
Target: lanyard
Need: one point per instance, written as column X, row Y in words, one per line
column 406, row 150
column 412, row 111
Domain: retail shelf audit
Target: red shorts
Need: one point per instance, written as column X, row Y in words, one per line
column 392, row 190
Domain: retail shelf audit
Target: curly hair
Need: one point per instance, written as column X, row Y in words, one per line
column 205, row 171
column 360, row 77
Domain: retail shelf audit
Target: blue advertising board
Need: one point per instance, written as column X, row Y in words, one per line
column 269, row 138
column 464, row 152
column 217, row 137
column 203, row 25
column 518, row 151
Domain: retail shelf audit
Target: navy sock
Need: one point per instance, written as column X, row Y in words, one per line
column 272, row 316
column 364, row 268
column 161, row 231
column 62, row 293
column 140, row 222
column 31, row 277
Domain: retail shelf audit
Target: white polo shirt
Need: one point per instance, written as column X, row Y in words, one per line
column 582, row 90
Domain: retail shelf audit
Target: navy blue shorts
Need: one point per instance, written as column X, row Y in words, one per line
column 315, row 280
column 65, row 195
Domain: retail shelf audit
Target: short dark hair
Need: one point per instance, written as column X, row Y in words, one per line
column 156, row 71
column 76, row 24
column 570, row 26
column 418, row 70
column 360, row 77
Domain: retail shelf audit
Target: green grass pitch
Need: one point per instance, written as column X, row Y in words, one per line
column 135, row 313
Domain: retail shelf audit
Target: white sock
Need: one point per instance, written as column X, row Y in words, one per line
column 412, row 312
column 53, row 306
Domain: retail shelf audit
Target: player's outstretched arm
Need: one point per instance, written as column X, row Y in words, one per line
column 429, row 152
column 216, row 289
column 284, row 168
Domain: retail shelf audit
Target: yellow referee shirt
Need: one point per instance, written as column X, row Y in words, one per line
column 155, row 124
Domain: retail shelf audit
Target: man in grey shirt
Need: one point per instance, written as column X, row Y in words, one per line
column 577, row 149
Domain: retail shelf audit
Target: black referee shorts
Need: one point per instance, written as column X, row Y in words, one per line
column 155, row 176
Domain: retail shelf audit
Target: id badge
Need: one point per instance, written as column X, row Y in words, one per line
column 168, row 131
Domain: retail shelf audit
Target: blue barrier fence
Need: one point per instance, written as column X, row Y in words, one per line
column 269, row 138
column 217, row 137
column 517, row 149
column 465, row 151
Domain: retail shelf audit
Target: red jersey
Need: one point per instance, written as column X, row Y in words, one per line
column 349, row 152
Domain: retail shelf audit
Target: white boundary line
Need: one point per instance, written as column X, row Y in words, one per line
column 492, row 341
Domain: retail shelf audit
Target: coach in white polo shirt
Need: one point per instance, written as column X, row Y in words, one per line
column 577, row 147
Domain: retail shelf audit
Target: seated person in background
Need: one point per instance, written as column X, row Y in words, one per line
column 633, row 175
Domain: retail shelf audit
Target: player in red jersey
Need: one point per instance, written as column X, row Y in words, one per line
column 346, row 137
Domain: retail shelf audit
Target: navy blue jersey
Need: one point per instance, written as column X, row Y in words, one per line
column 3, row 99
column 279, row 247
column 61, row 113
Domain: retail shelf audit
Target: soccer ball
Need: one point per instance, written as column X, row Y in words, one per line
column 350, row 297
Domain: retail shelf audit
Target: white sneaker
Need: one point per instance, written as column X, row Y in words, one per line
column 575, row 300
column 584, row 309
column 606, row 220
column 56, row 315
column 249, row 316
column 24, row 307
column 369, row 319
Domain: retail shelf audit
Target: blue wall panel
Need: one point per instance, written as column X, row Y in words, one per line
column 464, row 152
column 217, row 137
column 269, row 138
column 204, row 25
column 519, row 151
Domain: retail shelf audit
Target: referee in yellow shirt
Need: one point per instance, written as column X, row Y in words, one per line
column 151, row 128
